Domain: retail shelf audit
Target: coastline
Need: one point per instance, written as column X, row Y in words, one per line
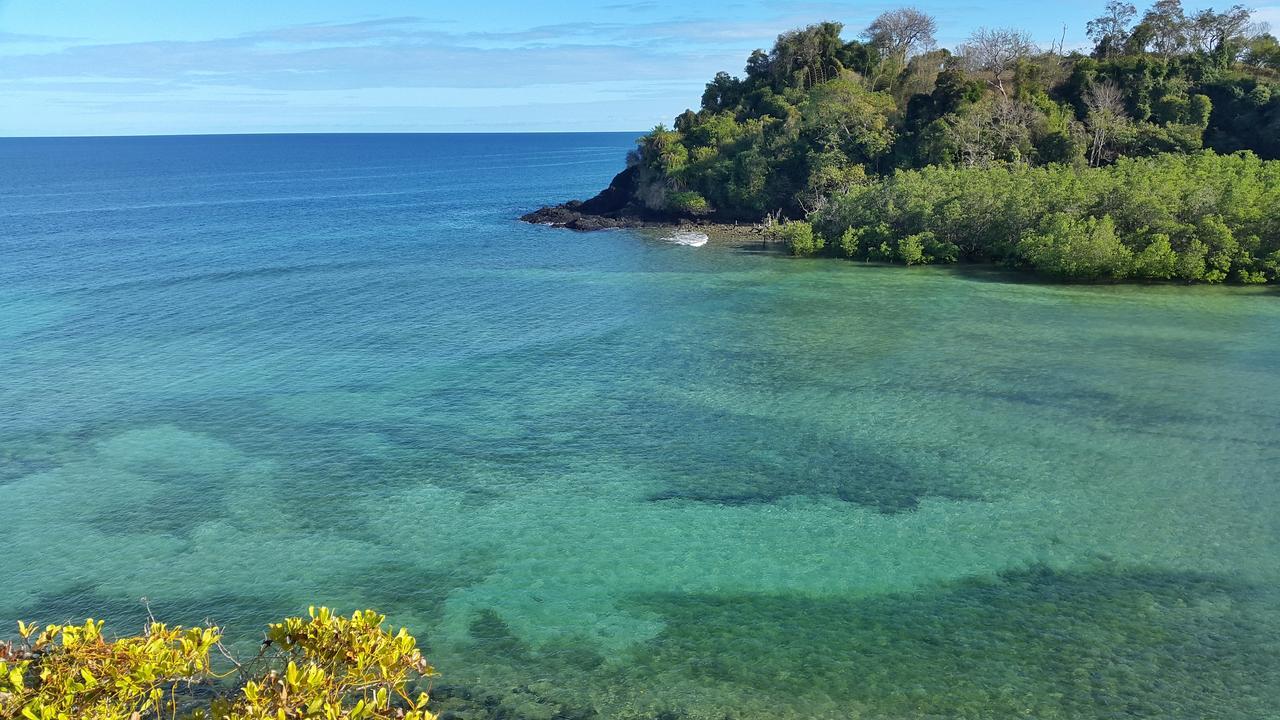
column 613, row 209
column 755, row 235
column 563, row 217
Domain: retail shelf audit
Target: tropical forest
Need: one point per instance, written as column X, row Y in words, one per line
column 1151, row 155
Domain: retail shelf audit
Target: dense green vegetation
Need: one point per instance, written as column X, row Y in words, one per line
column 1201, row 217
column 883, row 142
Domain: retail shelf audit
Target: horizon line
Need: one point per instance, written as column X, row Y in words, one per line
column 325, row 132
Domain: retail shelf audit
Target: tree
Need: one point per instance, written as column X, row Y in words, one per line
column 843, row 115
column 996, row 52
column 996, row 130
column 724, row 91
column 1157, row 261
column 1165, row 28
column 1225, row 32
column 688, row 203
column 1110, row 30
column 1263, row 52
column 1191, row 262
column 758, row 67
column 911, row 249
column 902, row 33
column 817, row 118
column 1106, row 118
column 804, row 58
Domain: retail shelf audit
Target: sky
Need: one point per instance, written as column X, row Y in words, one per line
column 147, row 67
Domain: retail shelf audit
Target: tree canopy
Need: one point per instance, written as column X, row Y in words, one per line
column 818, row 116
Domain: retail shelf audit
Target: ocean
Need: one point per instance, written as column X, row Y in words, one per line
column 622, row 474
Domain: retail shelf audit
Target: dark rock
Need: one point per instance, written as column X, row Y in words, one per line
column 614, row 198
column 615, row 208
column 612, row 208
column 570, row 216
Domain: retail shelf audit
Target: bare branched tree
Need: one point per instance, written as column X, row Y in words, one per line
column 1106, row 119
column 996, row 53
column 902, row 33
column 998, row 130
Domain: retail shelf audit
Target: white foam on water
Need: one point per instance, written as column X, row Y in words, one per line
column 687, row 237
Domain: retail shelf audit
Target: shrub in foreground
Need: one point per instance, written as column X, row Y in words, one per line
column 325, row 666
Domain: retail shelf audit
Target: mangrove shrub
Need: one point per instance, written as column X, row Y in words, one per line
column 323, row 666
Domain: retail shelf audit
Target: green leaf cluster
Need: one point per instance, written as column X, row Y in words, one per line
column 325, row 666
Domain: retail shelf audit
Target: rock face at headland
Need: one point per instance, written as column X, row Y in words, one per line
column 618, row 207
column 612, row 208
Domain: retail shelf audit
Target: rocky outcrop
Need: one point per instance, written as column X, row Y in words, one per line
column 615, row 198
column 614, row 207
column 570, row 215
column 621, row 206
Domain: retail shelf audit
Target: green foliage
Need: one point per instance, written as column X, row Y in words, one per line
column 1085, row 249
column 325, row 666
column 1202, row 217
column 850, row 240
column 798, row 236
column 822, row 128
column 911, row 248
column 688, row 203
column 1263, row 52
column 73, row 671
column 1190, row 265
column 817, row 115
column 1156, row 261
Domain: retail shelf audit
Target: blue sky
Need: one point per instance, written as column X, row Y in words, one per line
column 91, row 67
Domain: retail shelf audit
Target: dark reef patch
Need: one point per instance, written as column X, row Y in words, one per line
column 836, row 468
column 1036, row 643
column 492, row 636
column 759, row 463
column 41, row 451
column 522, row 702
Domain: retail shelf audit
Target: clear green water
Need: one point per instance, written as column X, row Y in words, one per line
column 606, row 475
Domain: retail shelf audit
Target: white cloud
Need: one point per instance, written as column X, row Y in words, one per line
column 1269, row 14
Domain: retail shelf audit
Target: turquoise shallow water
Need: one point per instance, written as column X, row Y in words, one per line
column 612, row 476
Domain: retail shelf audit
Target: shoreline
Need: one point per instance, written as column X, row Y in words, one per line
column 569, row 216
column 746, row 235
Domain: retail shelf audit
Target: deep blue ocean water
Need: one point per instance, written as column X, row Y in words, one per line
column 614, row 476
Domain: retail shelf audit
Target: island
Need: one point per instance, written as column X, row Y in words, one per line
column 1151, row 158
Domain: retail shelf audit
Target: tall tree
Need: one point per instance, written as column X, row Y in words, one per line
column 1263, row 52
column 996, row 52
column 804, row 58
column 901, row 33
column 1213, row 32
column 758, row 67
column 1110, row 30
column 1166, row 27
column 1106, row 119
column 724, row 91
